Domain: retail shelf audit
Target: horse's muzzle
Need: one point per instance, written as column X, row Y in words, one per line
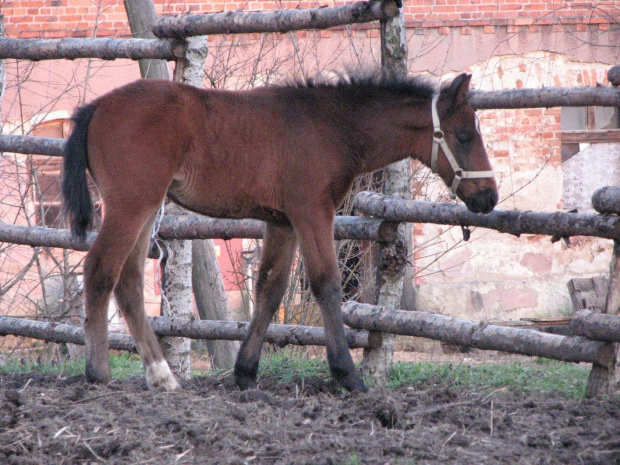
column 482, row 201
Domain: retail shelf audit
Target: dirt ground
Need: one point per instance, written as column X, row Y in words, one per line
column 55, row 420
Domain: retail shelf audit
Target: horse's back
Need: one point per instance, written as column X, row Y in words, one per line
column 221, row 153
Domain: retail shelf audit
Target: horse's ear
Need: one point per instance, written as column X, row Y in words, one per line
column 459, row 88
column 453, row 94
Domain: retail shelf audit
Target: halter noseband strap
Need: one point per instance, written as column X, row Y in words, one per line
column 440, row 141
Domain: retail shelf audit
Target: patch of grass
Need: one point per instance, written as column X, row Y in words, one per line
column 542, row 375
column 122, row 366
column 286, row 366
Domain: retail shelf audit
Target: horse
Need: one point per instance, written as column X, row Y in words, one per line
column 285, row 154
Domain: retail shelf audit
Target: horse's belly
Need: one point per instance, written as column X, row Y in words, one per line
column 236, row 207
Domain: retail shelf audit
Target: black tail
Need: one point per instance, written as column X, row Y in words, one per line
column 77, row 202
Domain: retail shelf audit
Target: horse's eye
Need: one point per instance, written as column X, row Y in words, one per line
column 464, row 138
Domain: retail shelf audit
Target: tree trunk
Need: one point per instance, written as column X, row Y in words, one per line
column 478, row 335
column 396, row 180
column 211, row 299
column 208, row 286
column 141, row 15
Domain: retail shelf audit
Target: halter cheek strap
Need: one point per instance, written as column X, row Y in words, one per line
column 440, row 141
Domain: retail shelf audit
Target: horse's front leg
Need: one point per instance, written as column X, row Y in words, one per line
column 316, row 241
column 279, row 246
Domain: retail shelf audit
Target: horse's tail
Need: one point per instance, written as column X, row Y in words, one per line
column 77, row 202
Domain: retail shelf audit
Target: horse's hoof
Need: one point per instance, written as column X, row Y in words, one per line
column 245, row 382
column 97, row 376
column 353, row 382
column 159, row 376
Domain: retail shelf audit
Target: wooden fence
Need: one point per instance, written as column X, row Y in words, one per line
column 602, row 354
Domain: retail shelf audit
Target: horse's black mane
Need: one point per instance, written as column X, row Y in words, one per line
column 412, row 86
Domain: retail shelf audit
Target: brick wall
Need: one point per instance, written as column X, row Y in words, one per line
column 86, row 18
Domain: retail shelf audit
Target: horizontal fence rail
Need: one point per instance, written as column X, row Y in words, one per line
column 597, row 326
column 101, row 48
column 477, row 335
column 366, row 321
column 239, row 22
column 514, row 222
column 547, row 97
column 31, row 145
column 280, row 335
column 186, row 227
column 607, row 200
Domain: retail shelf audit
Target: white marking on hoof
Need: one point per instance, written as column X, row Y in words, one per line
column 159, row 376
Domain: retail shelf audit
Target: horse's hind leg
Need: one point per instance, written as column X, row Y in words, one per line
column 102, row 267
column 316, row 242
column 278, row 251
column 129, row 293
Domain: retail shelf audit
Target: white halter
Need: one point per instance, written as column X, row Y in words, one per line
column 439, row 140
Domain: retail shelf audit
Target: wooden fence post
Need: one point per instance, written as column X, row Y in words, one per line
column 606, row 380
column 397, row 179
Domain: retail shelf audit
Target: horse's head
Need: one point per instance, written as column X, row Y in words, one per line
column 458, row 153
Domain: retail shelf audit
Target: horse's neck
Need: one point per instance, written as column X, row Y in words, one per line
column 392, row 143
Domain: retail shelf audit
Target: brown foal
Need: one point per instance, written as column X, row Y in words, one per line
column 284, row 154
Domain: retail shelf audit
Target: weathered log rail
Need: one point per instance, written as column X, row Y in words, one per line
column 185, row 227
column 32, row 145
column 367, row 320
column 597, row 326
column 243, row 22
column 280, row 335
column 514, row 222
column 607, row 200
column 101, row 48
column 477, row 335
column 546, row 97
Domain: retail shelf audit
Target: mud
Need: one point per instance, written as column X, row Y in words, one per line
column 54, row 420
